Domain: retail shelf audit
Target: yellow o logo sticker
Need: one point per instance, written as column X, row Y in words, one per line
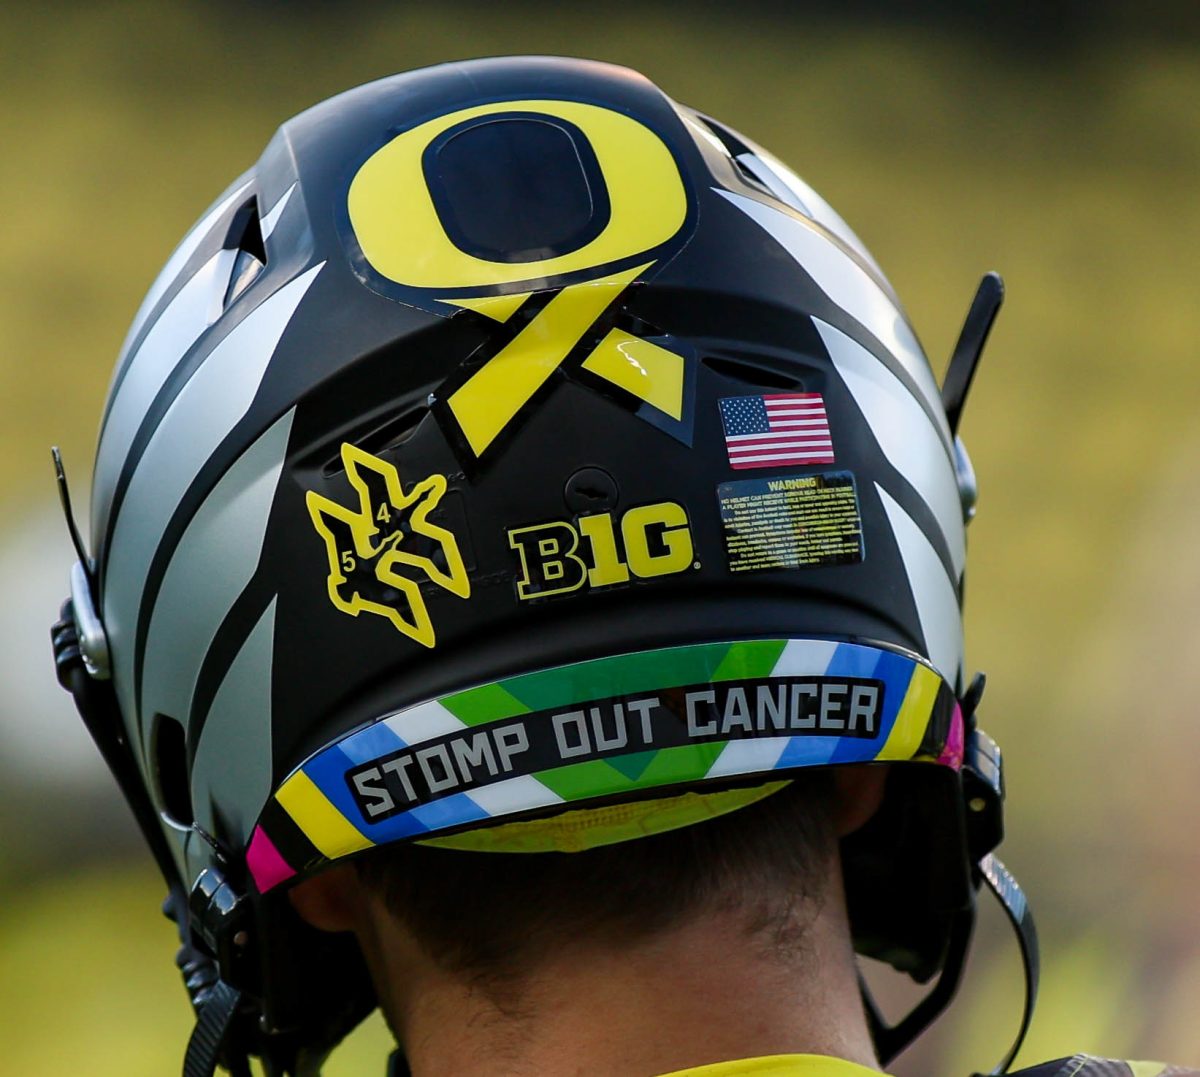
column 402, row 237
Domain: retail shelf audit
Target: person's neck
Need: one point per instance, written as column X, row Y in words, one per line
column 702, row 993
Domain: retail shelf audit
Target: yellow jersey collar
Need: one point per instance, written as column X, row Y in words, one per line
column 780, row 1066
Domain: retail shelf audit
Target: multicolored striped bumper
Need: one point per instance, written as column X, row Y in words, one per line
column 600, row 731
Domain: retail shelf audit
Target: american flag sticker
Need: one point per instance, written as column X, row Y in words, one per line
column 777, row 430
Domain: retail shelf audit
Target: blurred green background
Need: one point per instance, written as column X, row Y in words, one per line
column 1064, row 153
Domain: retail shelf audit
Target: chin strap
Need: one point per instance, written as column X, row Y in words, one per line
column 1008, row 892
column 890, row 1040
column 983, row 801
column 215, row 1012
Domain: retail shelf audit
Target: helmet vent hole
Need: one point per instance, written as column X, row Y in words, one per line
column 733, row 145
column 757, row 374
column 738, row 151
column 245, row 236
column 389, row 435
column 395, row 432
column 379, row 439
column 169, row 755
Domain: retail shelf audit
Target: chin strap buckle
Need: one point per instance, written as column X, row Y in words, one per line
column 220, row 917
column 983, row 795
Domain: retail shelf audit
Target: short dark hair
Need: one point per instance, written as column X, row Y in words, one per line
column 489, row 915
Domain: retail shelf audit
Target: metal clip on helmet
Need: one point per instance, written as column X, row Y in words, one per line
column 511, row 440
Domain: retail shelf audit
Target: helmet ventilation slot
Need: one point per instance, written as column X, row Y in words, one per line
column 168, row 750
column 245, row 236
column 759, row 374
column 732, row 143
column 379, row 439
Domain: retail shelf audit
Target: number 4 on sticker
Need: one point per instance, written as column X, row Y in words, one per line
column 374, row 563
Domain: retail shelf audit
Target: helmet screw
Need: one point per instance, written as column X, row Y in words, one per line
column 590, row 489
column 976, row 804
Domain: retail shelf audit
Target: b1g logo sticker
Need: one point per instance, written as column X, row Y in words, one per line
column 560, row 557
column 613, row 203
column 381, row 552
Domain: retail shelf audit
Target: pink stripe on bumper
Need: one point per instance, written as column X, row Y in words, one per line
column 952, row 754
column 265, row 862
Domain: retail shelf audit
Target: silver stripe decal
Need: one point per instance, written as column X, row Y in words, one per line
column 847, row 285
column 424, row 722
column 210, row 567
column 747, row 756
column 206, row 409
column 271, row 218
column 937, row 604
column 233, row 758
column 513, row 795
column 177, row 328
column 905, row 434
column 175, row 264
column 805, row 658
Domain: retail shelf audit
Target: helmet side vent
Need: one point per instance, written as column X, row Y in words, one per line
column 738, row 152
column 379, row 439
column 725, row 135
column 169, row 759
column 245, row 236
column 757, row 374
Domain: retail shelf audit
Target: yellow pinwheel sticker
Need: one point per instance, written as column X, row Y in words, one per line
column 382, row 551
